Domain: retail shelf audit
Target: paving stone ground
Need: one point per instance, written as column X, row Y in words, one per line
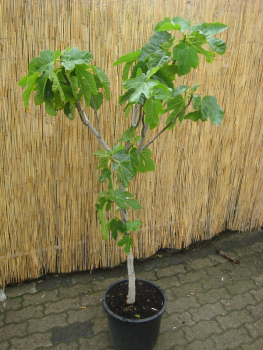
column 213, row 304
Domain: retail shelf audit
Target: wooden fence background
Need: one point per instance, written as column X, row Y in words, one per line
column 207, row 178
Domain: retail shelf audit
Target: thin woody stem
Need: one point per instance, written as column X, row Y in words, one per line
column 86, row 122
column 96, row 113
column 143, row 135
column 167, row 126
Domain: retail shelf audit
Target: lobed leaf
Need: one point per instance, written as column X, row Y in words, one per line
column 152, row 108
column 217, row 45
column 86, row 81
column 141, row 85
column 169, row 26
column 41, row 86
column 115, row 225
column 69, row 109
column 145, row 163
column 43, row 63
column 30, row 83
column 57, row 86
column 209, row 29
column 50, row 108
column 97, row 99
column 103, row 222
column 155, row 41
column 194, row 116
column 187, row 57
column 197, row 41
column 75, row 57
column 129, row 57
column 210, row 109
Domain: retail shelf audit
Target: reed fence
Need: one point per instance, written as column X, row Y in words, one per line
column 207, row 178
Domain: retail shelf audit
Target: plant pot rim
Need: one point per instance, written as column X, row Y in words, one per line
column 123, row 319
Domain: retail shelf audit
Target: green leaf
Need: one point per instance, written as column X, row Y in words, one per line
column 97, row 99
column 115, row 225
column 170, row 71
column 49, row 94
column 127, row 170
column 67, row 90
column 127, row 109
column 163, row 78
column 134, row 204
column 158, row 59
column 175, row 104
column 158, row 39
column 122, row 156
column 125, row 97
column 120, row 198
column 159, row 24
column 209, row 29
column 210, row 109
column 23, row 81
column 134, row 156
column 197, row 43
column 103, row 222
column 86, row 81
column 185, row 25
column 74, row 86
column 58, row 104
column 127, row 241
column 106, row 89
column 105, row 174
column 129, row 57
column 50, row 108
column 195, row 87
column 194, row 116
column 101, row 75
column 145, row 163
column 69, row 110
column 126, row 70
column 57, row 54
column 187, row 58
column 75, row 57
column 41, row 86
column 161, row 92
column 142, row 65
column 152, row 71
column 30, row 83
column 57, row 87
column 141, row 85
column 133, row 226
column 169, row 26
column 152, row 110
column 44, row 63
column 128, row 135
column 217, row 45
column 197, row 101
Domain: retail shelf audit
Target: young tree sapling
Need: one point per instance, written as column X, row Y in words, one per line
column 62, row 80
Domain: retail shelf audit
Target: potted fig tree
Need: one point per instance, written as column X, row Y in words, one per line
column 62, row 80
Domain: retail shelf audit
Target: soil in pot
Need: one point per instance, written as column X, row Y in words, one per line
column 148, row 301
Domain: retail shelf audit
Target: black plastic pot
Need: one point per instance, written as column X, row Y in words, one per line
column 138, row 334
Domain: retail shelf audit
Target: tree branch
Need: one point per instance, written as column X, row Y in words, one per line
column 86, row 122
column 135, row 113
column 167, row 126
column 143, row 135
column 96, row 113
column 140, row 117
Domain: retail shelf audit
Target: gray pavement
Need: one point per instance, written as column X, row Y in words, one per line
column 212, row 302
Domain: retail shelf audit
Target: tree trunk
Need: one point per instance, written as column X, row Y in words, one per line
column 130, row 261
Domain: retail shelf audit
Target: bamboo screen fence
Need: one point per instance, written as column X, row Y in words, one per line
column 207, row 178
